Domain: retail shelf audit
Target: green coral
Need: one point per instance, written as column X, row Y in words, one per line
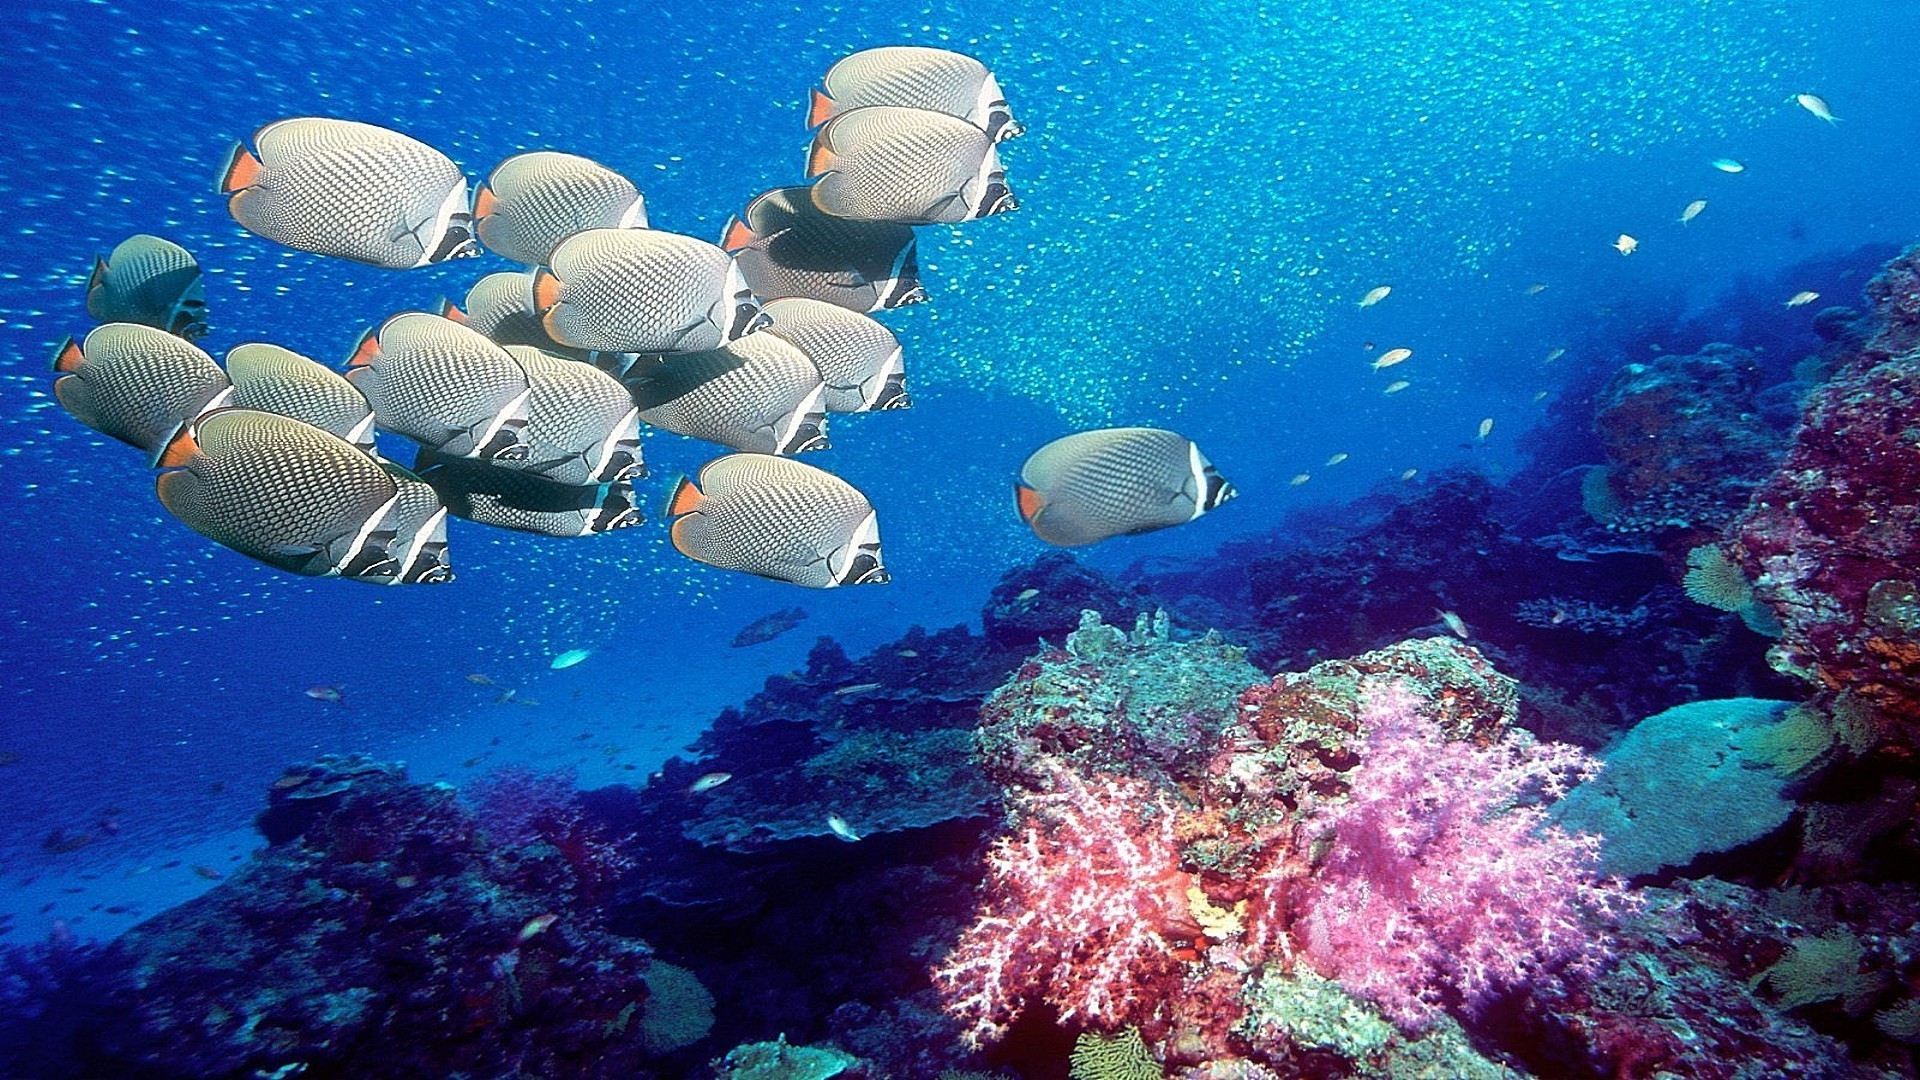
column 1121, row 1057
column 780, row 1060
column 678, row 1010
column 1825, row 968
column 1791, row 746
column 1315, row 1013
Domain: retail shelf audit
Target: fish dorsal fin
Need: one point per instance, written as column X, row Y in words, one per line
column 68, row 357
column 819, row 107
column 366, row 350
column 737, row 235
column 1029, row 501
column 241, row 170
column 686, row 498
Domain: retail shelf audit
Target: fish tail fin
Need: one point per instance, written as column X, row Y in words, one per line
column 1028, row 501
column 179, row 448
column 819, row 107
column 738, row 234
column 686, row 498
column 68, row 357
column 366, row 350
column 99, row 276
column 240, row 170
column 447, row 309
column 546, row 290
column 483, row 201
column 820, row 159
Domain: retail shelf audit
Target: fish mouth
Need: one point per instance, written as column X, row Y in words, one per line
column 458, row 243
column 916, row 294
column 999, row 199
column 866, row 570
column 807, row 439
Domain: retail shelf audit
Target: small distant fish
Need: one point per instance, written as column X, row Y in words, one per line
column 768, row 627
column 1391, row 357
column 1455, row 624
column 1540, row 396
column 478, row 679
column 1396, row 387
column 1802, row 298
column 1626, row 245
column 208, row 872
column 1375, row 295
column 1094, row 485
column 1299, row 478
column 857, row 688
column 1728, row 165
column 536, row 926
column 1816, row 105
column 1337, row 459
column 908, row 653
column 1486, row 427
column 149, row 280
column 1027, row 594
column 708, row 782
column 332, row 692
column 569, row 658
column 1554, row 355
column 841, row 829
column 1409, row 474
column 1693, row 210
column 1536, row 288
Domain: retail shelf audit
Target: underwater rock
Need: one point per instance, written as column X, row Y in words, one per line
column 1832, row 538
column 1684, row 440
column 385, row 936
column 1044, row 599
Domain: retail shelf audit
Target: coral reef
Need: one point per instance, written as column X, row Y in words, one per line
column 1831, row 540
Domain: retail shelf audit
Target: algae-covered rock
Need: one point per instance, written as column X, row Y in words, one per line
column 1690, row 781
column 780, row 1060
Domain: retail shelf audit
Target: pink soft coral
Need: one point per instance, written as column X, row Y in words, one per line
column 1078, row 905
column 1444, row 884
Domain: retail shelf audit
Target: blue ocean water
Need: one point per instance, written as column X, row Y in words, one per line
column 1207, row 192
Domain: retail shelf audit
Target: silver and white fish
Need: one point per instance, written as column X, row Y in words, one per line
column 351, row 190
column 582, row 427
column 276, row 380
column 510, row 499
column 153, row 281
column 910, row 166
column 858, row 359
column 531, row 202
column 1092, row 485
column 643, row 291
column 294, row 497
column 778, row 518
column 785, row 246
column 759, row 394
column 136, row 383
column 919, row 78
column 443, row 385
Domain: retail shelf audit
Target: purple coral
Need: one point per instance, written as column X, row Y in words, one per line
column 1444, row 886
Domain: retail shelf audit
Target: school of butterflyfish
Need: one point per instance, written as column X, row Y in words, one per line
column 527, row 397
